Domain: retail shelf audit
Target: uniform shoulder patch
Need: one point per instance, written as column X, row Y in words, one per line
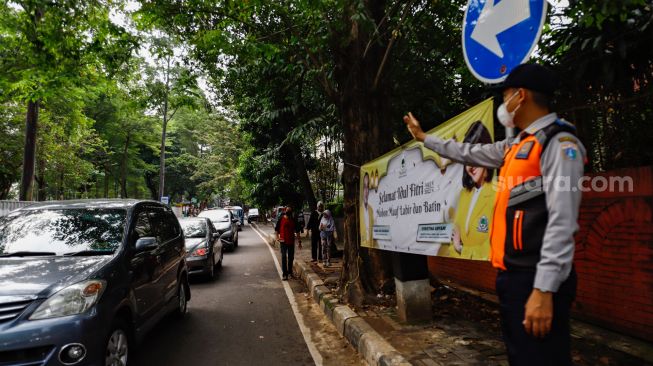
column 569, row 150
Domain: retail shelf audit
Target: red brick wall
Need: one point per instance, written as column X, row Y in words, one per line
column 614, row 258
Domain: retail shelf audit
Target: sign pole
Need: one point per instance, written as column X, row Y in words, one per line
column 413, row 288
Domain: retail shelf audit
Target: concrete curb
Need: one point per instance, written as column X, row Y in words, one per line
column 368, row 342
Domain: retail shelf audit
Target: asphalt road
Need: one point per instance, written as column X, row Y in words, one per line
column 243, row 317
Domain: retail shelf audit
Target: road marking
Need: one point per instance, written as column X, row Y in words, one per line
column 306, row 333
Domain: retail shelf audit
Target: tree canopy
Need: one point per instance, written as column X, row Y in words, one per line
column 267, row 102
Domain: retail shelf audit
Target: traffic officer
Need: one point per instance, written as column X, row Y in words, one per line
column 535, row 215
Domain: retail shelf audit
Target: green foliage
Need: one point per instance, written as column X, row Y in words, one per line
column 97, row 135
column 48, row 46
column 301, row 90
column 336, row 207
column 602, row 51
column 11, row 140
column 298, row 72
column 204, row 156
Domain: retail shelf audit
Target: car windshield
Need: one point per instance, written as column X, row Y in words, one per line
column 194, row 228
column 253, row 211
column 216, row 215
column 62, row 231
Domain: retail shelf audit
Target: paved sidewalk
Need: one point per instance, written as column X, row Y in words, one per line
column 465, row 329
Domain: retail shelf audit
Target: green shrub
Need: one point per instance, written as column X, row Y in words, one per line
column 336, row 208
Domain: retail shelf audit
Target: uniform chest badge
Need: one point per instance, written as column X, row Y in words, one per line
column 483, row 224
column 524, row 150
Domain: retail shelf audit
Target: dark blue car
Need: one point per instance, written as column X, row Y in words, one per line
column 81, row 282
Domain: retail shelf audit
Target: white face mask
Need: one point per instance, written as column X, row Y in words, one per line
column 507, row 118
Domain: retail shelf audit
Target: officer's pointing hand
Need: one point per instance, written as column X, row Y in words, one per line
column 539, row 313
column 414, row 127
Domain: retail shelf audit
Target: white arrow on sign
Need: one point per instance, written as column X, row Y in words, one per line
column 496, row 19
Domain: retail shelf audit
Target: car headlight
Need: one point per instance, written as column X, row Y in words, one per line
column 71, row 300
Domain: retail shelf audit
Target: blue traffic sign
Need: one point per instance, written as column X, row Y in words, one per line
column 500, row 34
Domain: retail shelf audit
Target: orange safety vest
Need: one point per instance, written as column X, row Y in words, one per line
column 520, row 212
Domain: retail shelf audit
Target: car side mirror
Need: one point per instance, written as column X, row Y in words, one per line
column 146, row 243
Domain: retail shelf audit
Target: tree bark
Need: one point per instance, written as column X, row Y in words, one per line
column 367, row 135
column 40, row 179
column 302, row 175
column 107, row 167
column 162, row 159
column 29, row 156
column 123, row 167
column 62, row 187
column 150, row 182
column 300, row 167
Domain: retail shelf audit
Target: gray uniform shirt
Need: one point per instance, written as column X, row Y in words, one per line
column 561, row 164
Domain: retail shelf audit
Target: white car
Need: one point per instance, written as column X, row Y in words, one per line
column 252, row 215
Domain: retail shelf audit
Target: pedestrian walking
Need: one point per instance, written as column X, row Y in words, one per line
column 288, row 230
column 327, row 227
column 314, row 226
column 532, row 231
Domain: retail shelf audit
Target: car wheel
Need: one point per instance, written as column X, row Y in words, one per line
column 182, row 299
column 210, row 270
column 117, row 345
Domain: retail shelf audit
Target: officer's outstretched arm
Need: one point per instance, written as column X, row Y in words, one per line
column 483, row 155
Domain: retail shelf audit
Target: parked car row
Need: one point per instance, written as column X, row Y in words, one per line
column 225, row 224
column 81, row 282
column 239, row 214
column 203, row 246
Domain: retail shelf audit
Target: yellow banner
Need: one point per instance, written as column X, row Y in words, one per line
column 414, row 201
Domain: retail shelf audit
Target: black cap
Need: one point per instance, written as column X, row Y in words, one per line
column 532, row 77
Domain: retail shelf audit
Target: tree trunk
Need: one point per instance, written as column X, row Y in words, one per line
column 40, row 179
column 150, row 182
column 29, row 156
column 96, row 186
column 300, row 167
column 107, row 167
column 62, row 187
column 123, row 167
column 302, row 174
column 162, row 161
column 367, row 135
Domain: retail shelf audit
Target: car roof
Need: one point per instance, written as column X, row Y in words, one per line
column 88, row 203
column 215, row 209
column 213, row 212
column 193, row 219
